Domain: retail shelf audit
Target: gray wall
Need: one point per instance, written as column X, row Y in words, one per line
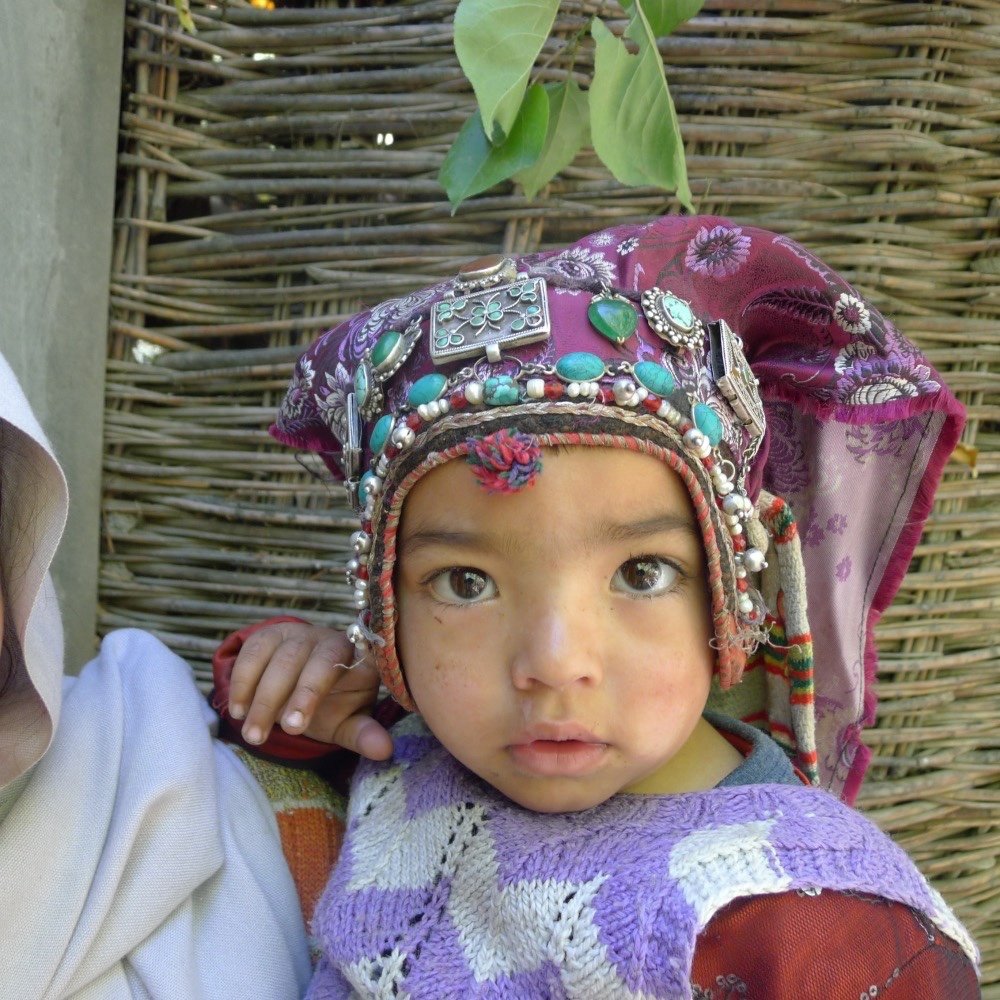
column 60, row 72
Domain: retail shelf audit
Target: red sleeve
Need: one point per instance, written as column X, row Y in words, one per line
column 834, row 944
column 279, row 745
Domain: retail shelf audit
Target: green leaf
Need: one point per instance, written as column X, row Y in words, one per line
column 183, row 8
column 633, row 124
column 497, row 42
column 474, row 164
column 665, row 15
column 567, row 133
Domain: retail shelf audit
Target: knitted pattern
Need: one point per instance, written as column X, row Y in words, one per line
column 447, row 890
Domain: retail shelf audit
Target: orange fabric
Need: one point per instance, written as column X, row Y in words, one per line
column 311, row 839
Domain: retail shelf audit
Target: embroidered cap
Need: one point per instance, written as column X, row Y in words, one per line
column 731, row 353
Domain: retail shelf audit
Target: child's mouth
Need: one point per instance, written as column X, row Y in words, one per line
column 558, row 758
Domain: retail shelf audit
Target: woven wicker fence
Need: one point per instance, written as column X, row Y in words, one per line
column 277, row 173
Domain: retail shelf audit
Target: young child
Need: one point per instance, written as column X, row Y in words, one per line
column 579, row 567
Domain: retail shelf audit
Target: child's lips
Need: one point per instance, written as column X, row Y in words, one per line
column 568, row 757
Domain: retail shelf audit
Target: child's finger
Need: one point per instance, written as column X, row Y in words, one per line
column 362, row 734
column 326, row 663
column 275, row 686
column 251, row 661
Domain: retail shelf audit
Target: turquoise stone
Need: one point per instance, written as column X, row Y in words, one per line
column 384, row 347
column 500, row 390
column 677, row 310
column 613, row 318
column 580, row 366
column 708, row 422
column 380, row 434
column 361, row 386
column 654, row 377
column 427, row 389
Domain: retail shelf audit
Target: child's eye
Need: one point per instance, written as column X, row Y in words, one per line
column 463, row 585
column 645, row 576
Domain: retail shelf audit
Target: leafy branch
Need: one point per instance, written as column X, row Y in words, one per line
column 525, row 131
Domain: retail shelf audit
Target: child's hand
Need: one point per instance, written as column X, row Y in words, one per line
column 296, row 673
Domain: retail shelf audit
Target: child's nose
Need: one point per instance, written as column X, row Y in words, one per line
column 555, row 647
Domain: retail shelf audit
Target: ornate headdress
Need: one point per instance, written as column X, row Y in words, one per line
column 730, row 353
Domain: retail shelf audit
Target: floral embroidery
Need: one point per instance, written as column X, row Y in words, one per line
column 836, row 524
column 627, row 246
column 852, row 314
column 577, row 266
column 844, row 569
column 332, row 399
column 298, row 390
column 811, row 305
column 881, row 440
column 881, row 380
column 718, row 252
column 366, row 328
column 787, row 466
column 603, row 239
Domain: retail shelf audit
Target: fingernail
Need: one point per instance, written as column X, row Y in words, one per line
column 253, row 735
column 295, row 719
column 237, row 711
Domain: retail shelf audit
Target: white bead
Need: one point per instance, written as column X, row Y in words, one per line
column 443, row 406
column 754, row 560
column 592, row 389
column 403, row 436
column 724, row 488
column 360, row 587
column 732, row 519
column 705, row 450
column 353, row 566
column 736, row 529
column 665, row 412
column 383, row 467
column 573, row 390
column 434, row 409
column 733, row 504
column 746, row 605
column 360, row 600
column 474, row 393
column 642, row 392
column 741, row 573
column 423, row 412
column 535, row 388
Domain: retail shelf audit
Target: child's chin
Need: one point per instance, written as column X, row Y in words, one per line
column 557, row 799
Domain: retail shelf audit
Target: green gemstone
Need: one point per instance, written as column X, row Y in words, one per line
column 361, row 386
column 380, row 434
column 500, row 390
column 613, row 318
column 708, row 422
column 654, row 377
column 580, row 366
column 384, row 348
column 427, row 389
column 678, row 311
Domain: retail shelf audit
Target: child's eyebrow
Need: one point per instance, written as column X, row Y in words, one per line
column 605, row 531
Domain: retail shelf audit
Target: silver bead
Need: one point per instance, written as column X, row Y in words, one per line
column 733, row 504
column 403, row 436
column 754, row 560
column 361, row 542
column 373, row 486
column 353, row 566
column 355, row 634
column 624, row 391
column 694, row 440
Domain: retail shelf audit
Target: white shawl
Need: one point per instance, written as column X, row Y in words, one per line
column 140, row 858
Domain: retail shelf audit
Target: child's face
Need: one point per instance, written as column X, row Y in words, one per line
column 556, row 640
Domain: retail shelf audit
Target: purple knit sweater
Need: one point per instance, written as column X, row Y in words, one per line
column 445, row 889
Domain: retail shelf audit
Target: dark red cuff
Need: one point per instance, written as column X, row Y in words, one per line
column 279, row 745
